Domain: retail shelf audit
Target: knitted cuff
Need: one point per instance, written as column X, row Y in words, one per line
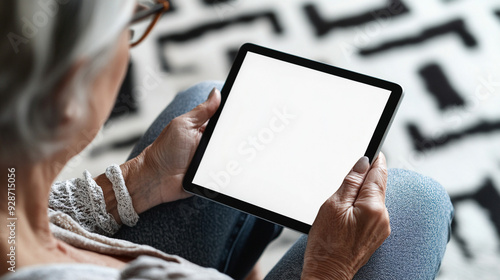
column 126, row 209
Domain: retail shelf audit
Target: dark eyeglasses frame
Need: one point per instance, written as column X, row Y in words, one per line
column 158, row 9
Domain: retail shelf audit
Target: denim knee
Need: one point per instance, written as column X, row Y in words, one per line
column 420, row 195
column 418, row 188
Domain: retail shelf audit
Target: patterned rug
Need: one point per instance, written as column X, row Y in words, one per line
column 445, row 53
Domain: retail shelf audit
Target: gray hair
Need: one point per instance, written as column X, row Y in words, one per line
column 40, row 41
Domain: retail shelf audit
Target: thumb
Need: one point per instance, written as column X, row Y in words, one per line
column 375, row 183
column 203, row 112
column 352, row 183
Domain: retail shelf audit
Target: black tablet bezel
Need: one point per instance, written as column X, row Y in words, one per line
column 371, row 151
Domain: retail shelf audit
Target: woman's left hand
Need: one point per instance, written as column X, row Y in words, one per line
column 160, row 168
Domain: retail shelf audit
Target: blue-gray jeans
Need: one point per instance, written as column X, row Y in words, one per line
column 214, row 235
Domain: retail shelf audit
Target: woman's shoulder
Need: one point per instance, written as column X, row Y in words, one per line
column 63, row 271
column 144, row 267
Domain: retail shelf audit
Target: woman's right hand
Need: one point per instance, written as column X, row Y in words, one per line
column 350, row 225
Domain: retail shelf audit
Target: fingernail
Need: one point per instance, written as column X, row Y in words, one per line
column 211, row 93
column 362, row 165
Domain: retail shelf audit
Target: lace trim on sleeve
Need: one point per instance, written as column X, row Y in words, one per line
column 125, row 207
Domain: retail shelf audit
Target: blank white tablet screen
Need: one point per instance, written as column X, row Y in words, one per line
column 288, row 135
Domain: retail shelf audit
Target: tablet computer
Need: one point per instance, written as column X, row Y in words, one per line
column 287, row 132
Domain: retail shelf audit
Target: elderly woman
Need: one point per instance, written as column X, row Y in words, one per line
column 62, row 63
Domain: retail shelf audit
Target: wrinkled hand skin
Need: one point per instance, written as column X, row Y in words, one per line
column 350, row 225
column 171, row 153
